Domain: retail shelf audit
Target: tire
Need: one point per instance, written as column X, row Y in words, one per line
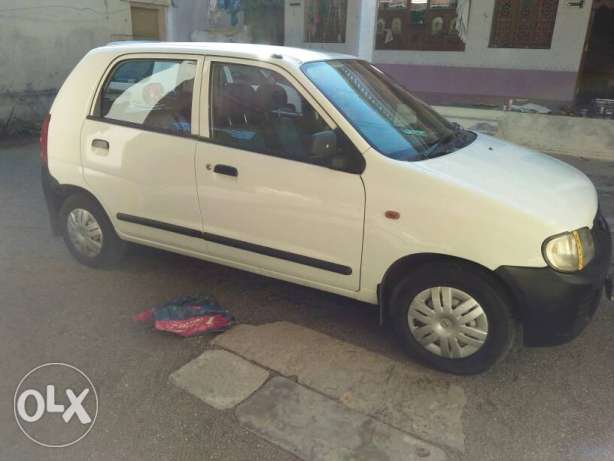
column 88, row 232
column 464, row 340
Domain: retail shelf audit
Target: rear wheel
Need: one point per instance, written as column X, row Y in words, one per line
column 88, row 232
column 454, row 317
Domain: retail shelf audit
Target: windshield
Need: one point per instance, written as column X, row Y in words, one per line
column 393, row 121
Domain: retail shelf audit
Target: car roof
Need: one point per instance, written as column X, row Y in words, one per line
column 296, row 56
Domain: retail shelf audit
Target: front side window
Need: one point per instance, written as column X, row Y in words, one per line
column 154, row 94
column 257, row 109
column 394, row 122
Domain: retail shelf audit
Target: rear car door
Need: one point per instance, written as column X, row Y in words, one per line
column 268, row 199
column 138, row 149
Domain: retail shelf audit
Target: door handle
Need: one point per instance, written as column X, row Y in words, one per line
column 226, row 169
column 100, row 144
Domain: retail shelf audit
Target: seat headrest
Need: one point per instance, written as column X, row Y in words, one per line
column 235, row 102
column 270, row 97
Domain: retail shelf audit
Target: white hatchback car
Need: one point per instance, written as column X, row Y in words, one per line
column 318, row 169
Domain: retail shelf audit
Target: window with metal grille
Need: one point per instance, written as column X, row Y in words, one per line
column 418, row 25
column 523, row 23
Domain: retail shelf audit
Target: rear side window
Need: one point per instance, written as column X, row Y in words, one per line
column 154, row 94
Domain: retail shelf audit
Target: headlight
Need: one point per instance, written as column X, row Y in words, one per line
column 571, row 251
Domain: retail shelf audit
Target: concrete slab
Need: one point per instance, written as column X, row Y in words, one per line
column 316, row 428
column 410, row 398
column 220, row 378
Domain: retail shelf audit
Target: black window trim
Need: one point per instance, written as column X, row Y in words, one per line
column 211, row 56
column 205, row 140
column 110, row 71
column 138, row 126
column 187, row 56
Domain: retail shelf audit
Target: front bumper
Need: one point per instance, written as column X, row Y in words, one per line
column 554, row 307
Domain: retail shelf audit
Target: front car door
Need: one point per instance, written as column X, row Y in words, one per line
column 270, row 200
column 138, row 149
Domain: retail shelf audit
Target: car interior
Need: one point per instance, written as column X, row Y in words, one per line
column 173, row 112
column 159, row 98
column 257, row 114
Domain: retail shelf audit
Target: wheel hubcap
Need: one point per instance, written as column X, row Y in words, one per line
column 84, row 232
column 448, row 322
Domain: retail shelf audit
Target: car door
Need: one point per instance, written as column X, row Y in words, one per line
column 269, row 201
column 138, row 149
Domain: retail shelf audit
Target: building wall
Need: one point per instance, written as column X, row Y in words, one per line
column 192, row 20
column 552, row 134
column 41, row 41
column 186, row 19
column 360, row 28
column 491, row 75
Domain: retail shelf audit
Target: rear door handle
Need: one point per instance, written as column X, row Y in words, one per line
column 100, row 144
column 226, row 169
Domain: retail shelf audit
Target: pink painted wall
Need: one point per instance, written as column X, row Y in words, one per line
column 475, row 85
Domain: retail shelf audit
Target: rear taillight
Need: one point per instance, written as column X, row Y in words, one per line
column 43, row 138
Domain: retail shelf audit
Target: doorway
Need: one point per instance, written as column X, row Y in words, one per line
column 147, row 22
column 596, row 77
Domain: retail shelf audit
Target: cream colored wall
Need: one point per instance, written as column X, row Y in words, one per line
column 359, row 35
column 565, row 54
column 40, row 44
column 41, row 41
column 552, row 134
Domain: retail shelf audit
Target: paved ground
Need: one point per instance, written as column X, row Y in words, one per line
column 415, row 401
column 546, row 404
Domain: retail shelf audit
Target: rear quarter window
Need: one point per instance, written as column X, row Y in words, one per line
column 153, row 94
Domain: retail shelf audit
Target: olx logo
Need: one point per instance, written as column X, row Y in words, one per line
column 55, row 405
column 49, row 405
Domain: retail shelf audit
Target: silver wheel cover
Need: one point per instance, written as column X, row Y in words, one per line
column 84, row 232
column 448, row 322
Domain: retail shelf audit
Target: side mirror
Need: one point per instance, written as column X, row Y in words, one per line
column 334, row 150
column 323, row 145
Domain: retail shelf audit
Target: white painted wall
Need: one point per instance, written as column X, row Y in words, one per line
column 367, row 27
column 552, row 134
column 41, row 41
column 185, row 17
column 565, row 54
column 360, row 28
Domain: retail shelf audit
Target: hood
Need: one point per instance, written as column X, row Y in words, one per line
column 551, row 191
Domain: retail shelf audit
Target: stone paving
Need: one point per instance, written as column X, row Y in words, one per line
column 317, row 428
column 219, row 378
column 405, row 395
column 346, row 403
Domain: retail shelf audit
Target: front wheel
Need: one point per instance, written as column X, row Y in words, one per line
column 454, row 317
column 88, row 232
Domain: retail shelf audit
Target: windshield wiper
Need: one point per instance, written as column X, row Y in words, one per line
column 441, row 146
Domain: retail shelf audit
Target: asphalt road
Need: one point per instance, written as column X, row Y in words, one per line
column 546, row 404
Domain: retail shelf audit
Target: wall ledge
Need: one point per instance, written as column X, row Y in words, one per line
column 552, row 134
